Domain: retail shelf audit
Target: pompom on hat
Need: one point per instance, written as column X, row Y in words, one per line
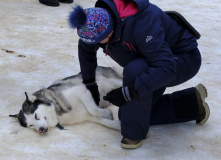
column 93, row 24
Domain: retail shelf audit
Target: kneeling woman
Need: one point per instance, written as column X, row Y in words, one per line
column 155, row 51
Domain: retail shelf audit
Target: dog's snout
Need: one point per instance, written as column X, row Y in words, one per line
column 43, row 130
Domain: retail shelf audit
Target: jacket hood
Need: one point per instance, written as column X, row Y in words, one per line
column 113, row 4
column 142, row 4
column 122, row 9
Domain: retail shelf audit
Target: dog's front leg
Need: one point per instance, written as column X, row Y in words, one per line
column 93, row 109
column 106, row 122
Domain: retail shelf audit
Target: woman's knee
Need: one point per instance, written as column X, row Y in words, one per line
column 196, row 63
column 188, row 66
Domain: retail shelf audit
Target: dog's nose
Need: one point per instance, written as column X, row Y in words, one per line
column 43, row 130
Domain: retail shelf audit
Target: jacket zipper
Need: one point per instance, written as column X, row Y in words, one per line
column 108, row 53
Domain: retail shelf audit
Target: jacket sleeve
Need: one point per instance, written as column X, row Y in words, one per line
column 159, row 57
column 87, row 54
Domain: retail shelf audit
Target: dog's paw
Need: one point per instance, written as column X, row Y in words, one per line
column 109, row 114
column 104, row 104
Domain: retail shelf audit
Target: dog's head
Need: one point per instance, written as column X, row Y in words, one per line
column 37, row 115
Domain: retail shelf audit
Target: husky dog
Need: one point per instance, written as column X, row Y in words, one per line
column 68, row 101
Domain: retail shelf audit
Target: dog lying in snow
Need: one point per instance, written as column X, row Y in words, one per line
column 68, row 101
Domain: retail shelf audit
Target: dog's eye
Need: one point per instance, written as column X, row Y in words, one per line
column 30, row 125
column 36, row 117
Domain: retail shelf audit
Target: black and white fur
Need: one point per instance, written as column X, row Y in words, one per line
column 68, row 101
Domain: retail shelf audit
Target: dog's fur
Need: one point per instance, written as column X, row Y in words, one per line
column 68, row 101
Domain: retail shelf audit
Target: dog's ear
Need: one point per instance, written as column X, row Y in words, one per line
column 27, row 99
column 26, row 106
column 15, row 115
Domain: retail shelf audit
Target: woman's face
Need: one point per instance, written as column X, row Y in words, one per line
column 107, row 39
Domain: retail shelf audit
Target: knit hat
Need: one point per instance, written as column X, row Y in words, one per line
column 93, row 24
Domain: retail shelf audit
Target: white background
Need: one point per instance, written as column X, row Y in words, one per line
column 43, row 49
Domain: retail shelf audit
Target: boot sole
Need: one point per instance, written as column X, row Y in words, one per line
column 203, row 93
column 129, row 146
column 147, row 136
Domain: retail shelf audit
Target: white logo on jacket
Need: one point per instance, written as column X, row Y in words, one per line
column 149, row 38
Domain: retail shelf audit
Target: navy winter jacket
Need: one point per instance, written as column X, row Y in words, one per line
column 150, row 34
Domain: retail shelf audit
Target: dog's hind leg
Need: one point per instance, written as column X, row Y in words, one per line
column 106, row 122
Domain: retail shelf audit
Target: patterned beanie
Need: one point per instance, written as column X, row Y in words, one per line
column 93, row 24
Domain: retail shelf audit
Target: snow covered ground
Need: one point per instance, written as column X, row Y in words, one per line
column 37, row 47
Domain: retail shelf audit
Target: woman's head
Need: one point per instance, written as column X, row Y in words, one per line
column 94, row 25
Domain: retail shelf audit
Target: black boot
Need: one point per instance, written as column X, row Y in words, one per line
column 66, row 1
column 52, row 3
